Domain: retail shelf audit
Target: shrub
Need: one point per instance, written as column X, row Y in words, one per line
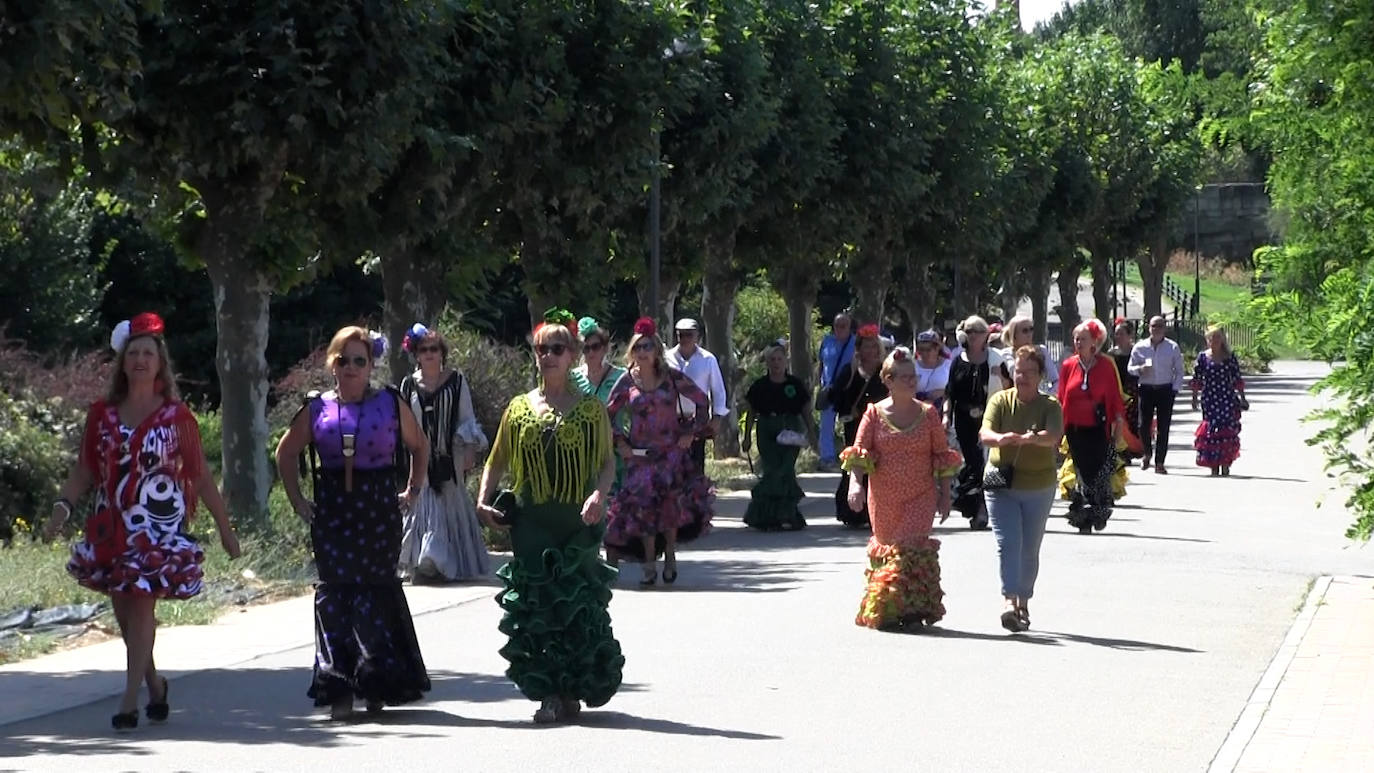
column 494, row 371
column 33, row 462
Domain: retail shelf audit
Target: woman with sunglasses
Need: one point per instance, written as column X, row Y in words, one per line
column 555, row 443
column 596, row 375
column 976, row 374
column 1090, row 396
column 1019, row 332
column 857, row 386
column 932, row 370
column 902, row 465
column 778, row 403
column 365, row 645
column 665, row 500
column 441, row 539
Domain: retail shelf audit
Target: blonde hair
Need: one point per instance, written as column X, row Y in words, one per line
column 1009, row 330
column 343, row 338
column 557, row 334
column 660, row 366
column 119, row 381
column 974, row 324
column 893, row 362
column 1218, row 330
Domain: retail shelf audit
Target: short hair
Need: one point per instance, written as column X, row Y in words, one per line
column 553, row 333
column 1033, row 354
column 1125, row 326
column 896, row 358
column 1093, row 328
column 344, row 337
column 1009, row 329
column 436, row 337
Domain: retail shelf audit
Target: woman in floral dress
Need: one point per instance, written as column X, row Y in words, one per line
column 902, row 463
column 141, row 452
column 664, row 499
column 1217, row 376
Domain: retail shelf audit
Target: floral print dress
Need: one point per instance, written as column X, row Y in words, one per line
column 1218, row 436
column 903, row 465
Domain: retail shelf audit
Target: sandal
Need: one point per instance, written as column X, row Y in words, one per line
column 158, row 711
column 1023, row 615
column 1011, row 618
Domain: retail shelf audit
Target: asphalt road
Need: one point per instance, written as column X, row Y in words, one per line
column 1149, row 638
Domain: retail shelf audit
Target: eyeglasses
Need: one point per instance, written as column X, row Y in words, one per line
column 357, row 362
column 554, row 349
column 593, row 346
column 426, row 349
column 644, row 346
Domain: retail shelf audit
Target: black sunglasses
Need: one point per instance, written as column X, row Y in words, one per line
column 644, row 346
column 593, row 346
column 357, row 362
column 425, row 349
column 554, row 349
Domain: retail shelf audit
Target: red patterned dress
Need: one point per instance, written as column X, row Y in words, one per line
column 145, row 491
column 903, row 465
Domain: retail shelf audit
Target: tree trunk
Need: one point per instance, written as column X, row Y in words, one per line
column 1039, row 281
column 1152, row 265
column 1069, row 315
column 918, row 300
column 412, row 295
column 720, row 284
column 242, row 311
column 669, row 287
column 1102, row 283
column 1010, row 294
column 799, row 290
column 870, row 275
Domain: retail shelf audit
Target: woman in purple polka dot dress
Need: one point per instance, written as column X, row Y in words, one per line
column 365, row 645
column 1217, row 377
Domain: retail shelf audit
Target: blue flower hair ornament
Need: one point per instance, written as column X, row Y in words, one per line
column 413, row 337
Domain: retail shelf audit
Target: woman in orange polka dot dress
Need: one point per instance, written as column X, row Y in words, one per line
column 902, row 465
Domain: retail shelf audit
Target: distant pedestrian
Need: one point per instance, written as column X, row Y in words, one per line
column 441, row 538
column 1158, row 363
column 858, row 385
column 1218, row 379
column 837, row 350
column 1123, row 336
column 555, row 443
column 902, row 464
column 665, row 498
column 1019, row 331
column 703, row 369
column 780, row 406
column 1023, row 429
column 141, row 453
column 932, row 370
column 365, row 644
column 597, row 372
column 1090, row 396
column 975, row 375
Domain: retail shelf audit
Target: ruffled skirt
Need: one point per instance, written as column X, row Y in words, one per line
column 441, row 537
column 1217, row 443
column 903, row 585
column 774, row 499
column 662, row 491
column 555, row 595
column 164, row 565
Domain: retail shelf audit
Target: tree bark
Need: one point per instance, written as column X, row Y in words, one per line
column 917, row 298
column 1011, row 293
column 799, row 290
column 412, row 294
column 1102, row 283
column 242, row 312
column 720, row 284
column 1069, row 314
column 1039, row 281
column 1152, row 263
column 669, row 287
column 870, row 275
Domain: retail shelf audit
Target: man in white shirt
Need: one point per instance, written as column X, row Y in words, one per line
column 1158, row 362
column 703, row 369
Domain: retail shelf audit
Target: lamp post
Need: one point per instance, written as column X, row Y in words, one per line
column 1197, row 254
column 655, row 208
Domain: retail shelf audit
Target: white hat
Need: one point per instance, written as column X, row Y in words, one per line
column 687, row 323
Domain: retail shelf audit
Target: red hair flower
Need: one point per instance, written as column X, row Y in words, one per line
column 1095, row 328
column 900, row 354
column 645, row 326
column 868, row 331
column 146, row 324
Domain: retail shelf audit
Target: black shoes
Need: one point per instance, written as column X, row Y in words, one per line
column 158, row 711
column 127, row 721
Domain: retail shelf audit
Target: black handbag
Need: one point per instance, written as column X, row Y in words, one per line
column 505, row 503
column 1000, row 477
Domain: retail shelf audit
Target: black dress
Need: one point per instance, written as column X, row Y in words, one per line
column 1131, row 386
column 968, row 398
column 850, row 394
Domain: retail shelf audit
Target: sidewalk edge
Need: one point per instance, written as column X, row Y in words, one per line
column 1228, row 756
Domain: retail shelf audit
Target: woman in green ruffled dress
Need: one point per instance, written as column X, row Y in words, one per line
column 555, row 443
column 780, row 406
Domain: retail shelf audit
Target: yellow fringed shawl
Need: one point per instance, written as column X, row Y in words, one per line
column 557, row 457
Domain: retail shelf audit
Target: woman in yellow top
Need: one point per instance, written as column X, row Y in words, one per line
column 555, row 441
column 1023, row 428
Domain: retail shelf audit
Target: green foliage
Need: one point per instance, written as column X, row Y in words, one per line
column 760, row 317
column 1315, row 108
column 495, row 372
column 33, row 462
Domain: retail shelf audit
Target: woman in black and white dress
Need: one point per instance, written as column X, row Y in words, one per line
column 441, row 539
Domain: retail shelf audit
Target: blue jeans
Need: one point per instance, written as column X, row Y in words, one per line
column 827, row 431
column 1018, row 521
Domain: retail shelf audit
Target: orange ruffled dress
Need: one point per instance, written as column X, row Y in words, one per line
column 903, row 465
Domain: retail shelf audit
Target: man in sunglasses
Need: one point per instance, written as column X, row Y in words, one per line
column 700, row 366
column 1158, row 362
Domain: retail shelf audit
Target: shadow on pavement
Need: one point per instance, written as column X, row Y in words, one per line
column 697, row 575
column 617, row 721
column 1054, row 638
column 1127, row 535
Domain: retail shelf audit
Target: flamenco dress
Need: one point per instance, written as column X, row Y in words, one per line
column 365, row 643
column 851, row 394
column 556, row 589
column 773, row 500
column 902, row 464
column 1217, row 439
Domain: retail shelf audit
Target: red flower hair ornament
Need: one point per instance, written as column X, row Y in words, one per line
column 1095, row 329
column 868, row 331
column 645, row 326
column 145, row 324
column 900, row 354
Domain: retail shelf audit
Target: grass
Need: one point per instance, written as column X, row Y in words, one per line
column 274, row 564
column 734, row 473
column 1219, row 296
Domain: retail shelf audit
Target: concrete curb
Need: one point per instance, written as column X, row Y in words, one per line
column 1228, row 756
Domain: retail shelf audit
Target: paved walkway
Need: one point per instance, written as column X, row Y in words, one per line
column 1154, row 649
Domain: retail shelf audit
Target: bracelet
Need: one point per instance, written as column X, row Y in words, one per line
column 65, row 504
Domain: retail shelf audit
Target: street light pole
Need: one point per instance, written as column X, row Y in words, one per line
column 1197, row 254
column 655, row 206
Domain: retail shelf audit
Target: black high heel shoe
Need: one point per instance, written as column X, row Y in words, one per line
column 158, row 711
column 669, row 575
column 127, row 721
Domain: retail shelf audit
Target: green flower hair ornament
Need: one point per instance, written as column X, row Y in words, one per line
column 586, row 326
column 557, row 316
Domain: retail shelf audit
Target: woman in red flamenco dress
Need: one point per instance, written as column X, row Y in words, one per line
column 141, row 453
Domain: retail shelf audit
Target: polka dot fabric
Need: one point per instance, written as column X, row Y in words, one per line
column 1217, row 439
